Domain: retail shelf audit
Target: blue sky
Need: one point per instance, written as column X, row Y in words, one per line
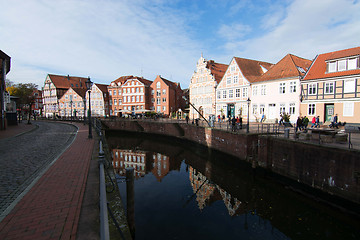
column 106, row 39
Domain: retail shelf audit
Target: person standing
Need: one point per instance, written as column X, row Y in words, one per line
column 305, row 122
column 233, row 124
column 336, row 121
column 298, row 124
column 187, row 119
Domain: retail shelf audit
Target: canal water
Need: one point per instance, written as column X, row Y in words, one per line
column 186, row 191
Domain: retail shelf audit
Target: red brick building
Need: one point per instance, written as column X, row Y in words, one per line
column 38, row 104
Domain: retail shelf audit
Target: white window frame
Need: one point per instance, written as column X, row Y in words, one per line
column 255, row 90
column 231, row 93
column 237, row 92
column 348, row 109
column 263, row 90
column 228, row 80
column 292, row 108
column 352, row 63
column 332, row 67
column 236, row 79
column 349, row 86
column 311, row 109
column 224, row 94
column 245, row 92
column 342, row 65
column 312, row 88
column 329, row 87
column 293, row 87
column 282, row 88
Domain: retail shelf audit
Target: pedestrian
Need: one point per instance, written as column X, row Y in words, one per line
column 305, row 122
column 187, row 119
column 262, row 118
column 237, row 123
column 233, row 123
column 313, row 121
column 334, row 122
column 219, row 119
column 317, row 122
column 298, row 124
column 223, row 117
column 281, row 119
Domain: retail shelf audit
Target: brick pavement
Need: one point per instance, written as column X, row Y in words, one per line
column 51, row 209
column 11, row 131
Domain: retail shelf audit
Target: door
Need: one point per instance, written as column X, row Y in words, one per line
column 329, row 111
column 272, row 111
column 231, row 110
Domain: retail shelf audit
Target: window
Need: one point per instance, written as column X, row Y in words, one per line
column 312, row 88
column 232, row 69
column 348, row 109
column 262, row 108
column 164, row 91
column 292, row 108
column 124, row 90
column 158, row 93
column 110, row 93
column 231, row 93
column 236, row 79
column 331, row 67
column 342, row 65
column 164, row 108
column 352, row 63
column 329, row 87
column 115, row 102
column 133, row 90
column 228, row 80
column 237, row 92
column 158, row 85
column 141, row 90
column 152, row 92
column 254, row 109
column 254, row 90
column 282, row 108
column 292, row 87
column 224, row 93
column 164, row 100
column 282, row 88
column 132, row 98
column 311, row 109
column 158, row 101
column 263, row 90
column 141, row 98
column 119, row 92
column 137, row 98
column 218, row 94
column 124, row 100
column 245, row 92
column 349, row 86
column 158, row 108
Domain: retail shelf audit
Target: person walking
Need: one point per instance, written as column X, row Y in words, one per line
column 305, row 122
column 298, row 124
column 187, row 119
column 233, row 124
column 313, row 121
column 317, row 122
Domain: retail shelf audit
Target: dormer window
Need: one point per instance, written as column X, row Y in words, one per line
column 343, row 65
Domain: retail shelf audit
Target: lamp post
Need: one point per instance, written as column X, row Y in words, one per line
column 84, row 101
column 71, row 105
column 248, row 115
column 88, row 86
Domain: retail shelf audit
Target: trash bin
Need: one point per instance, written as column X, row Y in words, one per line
column 286, row 132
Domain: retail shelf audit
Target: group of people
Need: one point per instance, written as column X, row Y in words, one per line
column 302, row 123
column 236, row 123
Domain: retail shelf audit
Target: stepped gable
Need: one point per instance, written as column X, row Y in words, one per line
column 318, row 68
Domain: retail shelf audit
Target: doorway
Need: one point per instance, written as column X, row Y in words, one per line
column 230, row 110
column 329, row 112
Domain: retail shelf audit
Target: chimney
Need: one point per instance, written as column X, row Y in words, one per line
column 68, row 77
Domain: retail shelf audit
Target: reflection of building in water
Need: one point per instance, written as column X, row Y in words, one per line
column 207, row 193
column 160, row 165
column 128, row 158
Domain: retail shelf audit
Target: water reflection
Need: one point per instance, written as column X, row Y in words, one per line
column 189, row 192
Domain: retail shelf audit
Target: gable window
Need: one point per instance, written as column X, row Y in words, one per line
column 341, row 65
column 349, row 86
column 292, row 87
column 228, row 80
column 348, row 109
column 352, row 63
column 329, row 87
column 311, row 109
column 232, row 69
column 254, row 90
column 282, row 88
column 312, row 88
column 237, row 92
column 236, row 79
column 158, row 85
column 263, row 90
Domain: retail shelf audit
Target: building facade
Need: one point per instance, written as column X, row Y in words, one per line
column 166, row 96
column 71, row 104
column 234, row 89
column 332, row 86
column 5, row 61
column 37, row 107
column 54, row 88
column 99, row 98
column 278, row 90
column 202, row 86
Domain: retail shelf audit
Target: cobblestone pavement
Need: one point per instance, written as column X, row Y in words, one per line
column 23, row 157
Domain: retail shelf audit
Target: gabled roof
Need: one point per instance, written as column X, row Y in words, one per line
column 217, row 69
column 169, row 83
column 121, row 80
column 102, row 87
column 252, row 69
column 80, row 91
column 288, row 66
column 65, row 81
column 318, row 68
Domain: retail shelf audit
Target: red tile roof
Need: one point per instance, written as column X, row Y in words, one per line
column 251, row 69
column 288, row 66
column 171, row 84
column 66, row 82
column 217, row 69
column 102, row 87
column 318, row 68
column 121, row 80
column 80, row 91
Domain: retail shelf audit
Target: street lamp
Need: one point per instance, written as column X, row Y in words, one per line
column 88, row 86
column 84, row 101
column 248, row 115
column 71, row 105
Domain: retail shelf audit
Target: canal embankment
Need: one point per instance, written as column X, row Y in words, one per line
column 332, row 172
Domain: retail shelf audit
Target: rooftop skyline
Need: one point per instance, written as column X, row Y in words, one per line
column 108, row 39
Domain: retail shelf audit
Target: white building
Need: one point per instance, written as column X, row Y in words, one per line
column 278, row 90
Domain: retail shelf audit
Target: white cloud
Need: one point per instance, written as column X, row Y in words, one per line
column 102, row 39
column 308, row 28
column 234, row 31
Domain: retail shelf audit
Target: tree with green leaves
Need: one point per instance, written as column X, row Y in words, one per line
column 25, row 93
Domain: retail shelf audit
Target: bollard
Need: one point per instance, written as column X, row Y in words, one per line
column 286, row 132
column 130, row 200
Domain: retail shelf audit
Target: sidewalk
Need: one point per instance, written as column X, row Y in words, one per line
column 12, row 131
column 51, row 209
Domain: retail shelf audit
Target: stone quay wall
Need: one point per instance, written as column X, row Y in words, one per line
column 333, row 171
